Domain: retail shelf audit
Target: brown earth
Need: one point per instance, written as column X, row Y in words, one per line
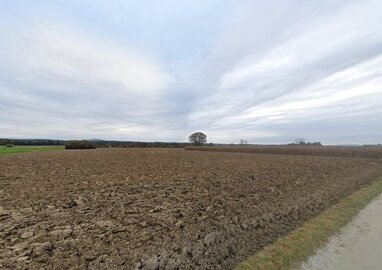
column 325, row 151
column 160, row 208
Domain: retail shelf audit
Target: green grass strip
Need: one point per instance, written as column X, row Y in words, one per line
column 24, row 149
column 289, row 251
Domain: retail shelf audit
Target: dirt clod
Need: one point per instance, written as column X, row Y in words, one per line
column 42, row 248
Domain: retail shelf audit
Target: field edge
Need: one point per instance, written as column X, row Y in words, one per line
column 28, row 149
column 289, row 251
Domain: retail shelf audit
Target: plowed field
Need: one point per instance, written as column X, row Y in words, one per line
column 160, row 208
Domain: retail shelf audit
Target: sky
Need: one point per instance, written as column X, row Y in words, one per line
column 156, row 70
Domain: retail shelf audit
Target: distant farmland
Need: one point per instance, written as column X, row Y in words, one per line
column 24, row 149
column 328, row 151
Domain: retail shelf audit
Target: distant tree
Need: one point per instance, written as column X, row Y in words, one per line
column 4, row 141
column 243, row 142
column 198, row 138
column 316, row 144
column 84, row 144
column 300, row 141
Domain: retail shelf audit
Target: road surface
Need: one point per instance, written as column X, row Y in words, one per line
column 358, row 246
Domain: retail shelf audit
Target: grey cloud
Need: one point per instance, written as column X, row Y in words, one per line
column 324, row 56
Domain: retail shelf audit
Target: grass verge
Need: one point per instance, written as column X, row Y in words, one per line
column 289, row 251
column 23, row 149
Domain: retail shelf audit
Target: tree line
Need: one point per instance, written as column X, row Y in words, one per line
column 37, row 142
column 97, row 143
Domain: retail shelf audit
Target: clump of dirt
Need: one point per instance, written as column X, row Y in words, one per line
column 156, row 209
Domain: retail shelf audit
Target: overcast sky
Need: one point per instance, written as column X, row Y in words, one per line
column 264, row 71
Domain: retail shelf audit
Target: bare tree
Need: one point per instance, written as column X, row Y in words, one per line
column 300, row 141
column 243, row 142
column 198, row 138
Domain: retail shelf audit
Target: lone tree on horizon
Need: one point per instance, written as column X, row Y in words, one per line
column 198, row 138
column 243, row 142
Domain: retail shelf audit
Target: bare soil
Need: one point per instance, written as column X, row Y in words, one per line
column 160, row 208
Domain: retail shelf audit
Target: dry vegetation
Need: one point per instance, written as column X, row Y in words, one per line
column 328, row 151
column 160, row 208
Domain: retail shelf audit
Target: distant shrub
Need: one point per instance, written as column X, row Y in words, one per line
column 9, row 145
column 84, row 144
